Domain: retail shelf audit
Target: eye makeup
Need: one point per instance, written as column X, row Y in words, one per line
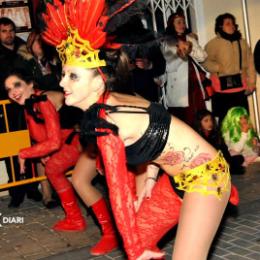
column 74, row 76
column 17, row 84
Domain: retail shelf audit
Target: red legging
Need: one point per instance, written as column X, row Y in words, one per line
column 59, row 163
column 159, row 214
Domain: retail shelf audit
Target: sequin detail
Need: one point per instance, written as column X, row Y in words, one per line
column 212, row 177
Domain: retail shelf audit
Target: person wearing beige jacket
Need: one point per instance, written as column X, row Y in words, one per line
column 231, row 65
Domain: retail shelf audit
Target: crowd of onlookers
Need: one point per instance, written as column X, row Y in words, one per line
column 176, row 71
column 173, row 69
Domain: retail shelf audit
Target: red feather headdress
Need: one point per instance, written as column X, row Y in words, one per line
column 78, row 28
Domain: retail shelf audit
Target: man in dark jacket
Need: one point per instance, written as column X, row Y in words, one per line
column 9, row 49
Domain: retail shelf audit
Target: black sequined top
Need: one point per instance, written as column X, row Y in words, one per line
column 147, row 148
column 153, row 141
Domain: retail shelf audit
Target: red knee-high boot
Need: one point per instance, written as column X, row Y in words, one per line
column 108, row 241
column 74, row 220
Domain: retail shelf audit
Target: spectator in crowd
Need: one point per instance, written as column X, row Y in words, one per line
column 44, row 62
column 10, row 45
column 208, row 128
column 184, row 92
column 239, row 135
column 231, row 65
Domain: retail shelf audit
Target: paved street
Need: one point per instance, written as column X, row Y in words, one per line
column 32, row 238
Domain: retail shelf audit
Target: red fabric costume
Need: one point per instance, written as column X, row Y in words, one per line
column 143, row 229
column 66, row 24
column 49, row 141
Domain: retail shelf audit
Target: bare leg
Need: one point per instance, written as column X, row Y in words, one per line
column 45, row 185
column 199, row 221
column 83, row 174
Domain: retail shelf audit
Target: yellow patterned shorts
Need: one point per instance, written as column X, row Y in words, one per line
column 212, row 177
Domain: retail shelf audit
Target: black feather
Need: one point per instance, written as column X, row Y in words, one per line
column 123, row 17
column 29, row 107
column 91, row 122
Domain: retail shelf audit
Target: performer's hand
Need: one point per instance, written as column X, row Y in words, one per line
column 184, row 48
column 144, row 64
column 249, row 91
column 148, row 254
column 45, row 159
column 22, row 165
column 146, row 192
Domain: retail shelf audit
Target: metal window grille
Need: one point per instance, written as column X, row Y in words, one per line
column 160, row 10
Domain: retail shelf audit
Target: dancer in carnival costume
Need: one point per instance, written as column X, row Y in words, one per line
column 131, row 130
column 56, row 145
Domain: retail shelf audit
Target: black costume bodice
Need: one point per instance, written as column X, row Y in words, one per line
column 147, row 148
column 153, row 141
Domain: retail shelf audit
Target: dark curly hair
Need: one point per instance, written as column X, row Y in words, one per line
column 20, row 73
column 170, row 30
column 7, row 21
column 220, row 21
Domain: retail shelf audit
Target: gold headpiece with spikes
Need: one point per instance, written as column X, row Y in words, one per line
column 76, row 51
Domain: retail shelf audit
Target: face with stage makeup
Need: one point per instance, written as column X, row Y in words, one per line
column 18, row 88
column 82, row 87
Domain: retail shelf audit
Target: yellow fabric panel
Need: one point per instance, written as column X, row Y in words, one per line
column 12, row 142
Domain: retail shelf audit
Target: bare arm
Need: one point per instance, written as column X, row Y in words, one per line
column 151, row 174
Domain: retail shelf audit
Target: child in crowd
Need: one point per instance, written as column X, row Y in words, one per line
column 239, row 135
column 207, row 127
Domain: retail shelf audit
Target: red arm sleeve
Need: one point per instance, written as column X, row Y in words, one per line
column 120, row 193
column 52, row 129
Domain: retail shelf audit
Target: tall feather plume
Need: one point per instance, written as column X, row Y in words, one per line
column 82, row 15
column 88, row 27
column 56, row 23
column 93, row 19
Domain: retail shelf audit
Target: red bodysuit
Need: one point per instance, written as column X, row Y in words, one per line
column 49, row 141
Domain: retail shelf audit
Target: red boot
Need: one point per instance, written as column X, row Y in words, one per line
column 108, row 241
column 234, row 195
column 74, row 220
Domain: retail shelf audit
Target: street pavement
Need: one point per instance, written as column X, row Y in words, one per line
column 32, row 238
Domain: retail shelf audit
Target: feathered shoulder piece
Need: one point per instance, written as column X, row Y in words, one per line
column 79, row 28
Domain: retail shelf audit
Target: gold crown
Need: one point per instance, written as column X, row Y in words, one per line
column 76, row 51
